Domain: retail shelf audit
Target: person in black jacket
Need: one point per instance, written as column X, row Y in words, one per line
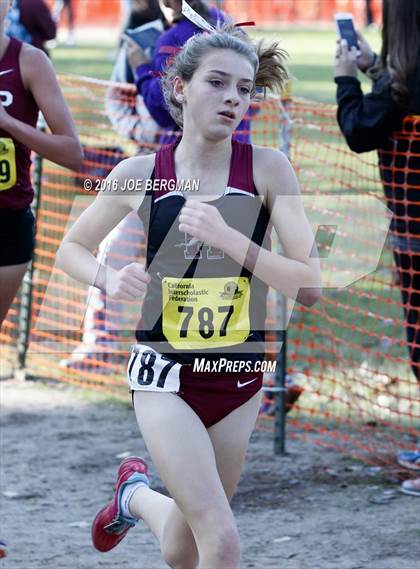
column 371, row 122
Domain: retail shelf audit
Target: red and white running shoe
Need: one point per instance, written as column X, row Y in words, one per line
column 110, row 526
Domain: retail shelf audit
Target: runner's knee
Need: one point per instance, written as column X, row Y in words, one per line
column 224, row 544
column 179, row 555
column 178, row 546
column 215, row 530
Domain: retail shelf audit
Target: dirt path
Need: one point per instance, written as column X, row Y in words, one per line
column 308, row 510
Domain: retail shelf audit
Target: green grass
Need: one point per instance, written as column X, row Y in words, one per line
column 311, row 55
column 91, row 57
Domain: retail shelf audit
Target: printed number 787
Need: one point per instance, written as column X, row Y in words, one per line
column 146, row 372
column 205, row 318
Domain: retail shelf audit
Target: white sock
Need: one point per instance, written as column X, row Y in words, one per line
column 127, row 494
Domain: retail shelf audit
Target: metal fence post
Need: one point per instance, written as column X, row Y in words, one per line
column 280, row 390
column 25, row 312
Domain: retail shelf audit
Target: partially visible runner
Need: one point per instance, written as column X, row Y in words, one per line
column 209, row 264
column 28, row 85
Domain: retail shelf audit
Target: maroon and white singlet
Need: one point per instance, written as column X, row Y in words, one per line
column 16, row 191
column 201, row 304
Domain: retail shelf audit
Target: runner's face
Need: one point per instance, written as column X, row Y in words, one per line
column 219, row 93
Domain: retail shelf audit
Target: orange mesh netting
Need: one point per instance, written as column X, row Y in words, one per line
column 264, row 12
column 274, row 13
column 348, row 354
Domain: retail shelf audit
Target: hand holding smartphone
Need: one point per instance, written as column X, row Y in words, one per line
column 146, row 36
column 346, row 30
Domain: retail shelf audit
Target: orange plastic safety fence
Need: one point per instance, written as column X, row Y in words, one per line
column 349, row 376
column 265, row 12
column 351, row 353
column 275, row 13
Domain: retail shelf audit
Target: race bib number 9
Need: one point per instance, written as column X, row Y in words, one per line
column 202, row 313
column 150, row 371
column 7, row 164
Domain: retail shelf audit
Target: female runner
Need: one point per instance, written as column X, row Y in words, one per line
column 27, row 85
column 208, row 267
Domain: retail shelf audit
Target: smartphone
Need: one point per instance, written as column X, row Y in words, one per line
column 346, row 30
column 146, row 36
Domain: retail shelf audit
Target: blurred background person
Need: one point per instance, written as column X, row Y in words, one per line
column 31, row 21
column 61, row 7
column 369, row 122
column 368, row 13
column 133, row 122
column 147, row 71
column 125, row 11
column 142, row 12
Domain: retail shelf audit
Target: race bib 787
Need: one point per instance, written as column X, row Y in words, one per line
column 202, row 313
column 149, row 370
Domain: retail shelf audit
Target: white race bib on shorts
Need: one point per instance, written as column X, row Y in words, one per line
column 149, row 370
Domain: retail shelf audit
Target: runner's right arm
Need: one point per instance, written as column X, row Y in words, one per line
column 76, row 256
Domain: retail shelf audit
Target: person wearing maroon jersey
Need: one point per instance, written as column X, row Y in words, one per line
column 209, row 264
column 27, row 85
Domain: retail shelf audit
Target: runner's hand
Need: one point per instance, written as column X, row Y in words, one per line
column 129, row 283
column 204, row 222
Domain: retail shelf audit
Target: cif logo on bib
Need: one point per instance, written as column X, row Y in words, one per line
column 231, row 290
column 6, row 98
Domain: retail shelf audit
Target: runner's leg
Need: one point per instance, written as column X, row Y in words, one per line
column 228, row 439
column 10, row 280
column 183, row 455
